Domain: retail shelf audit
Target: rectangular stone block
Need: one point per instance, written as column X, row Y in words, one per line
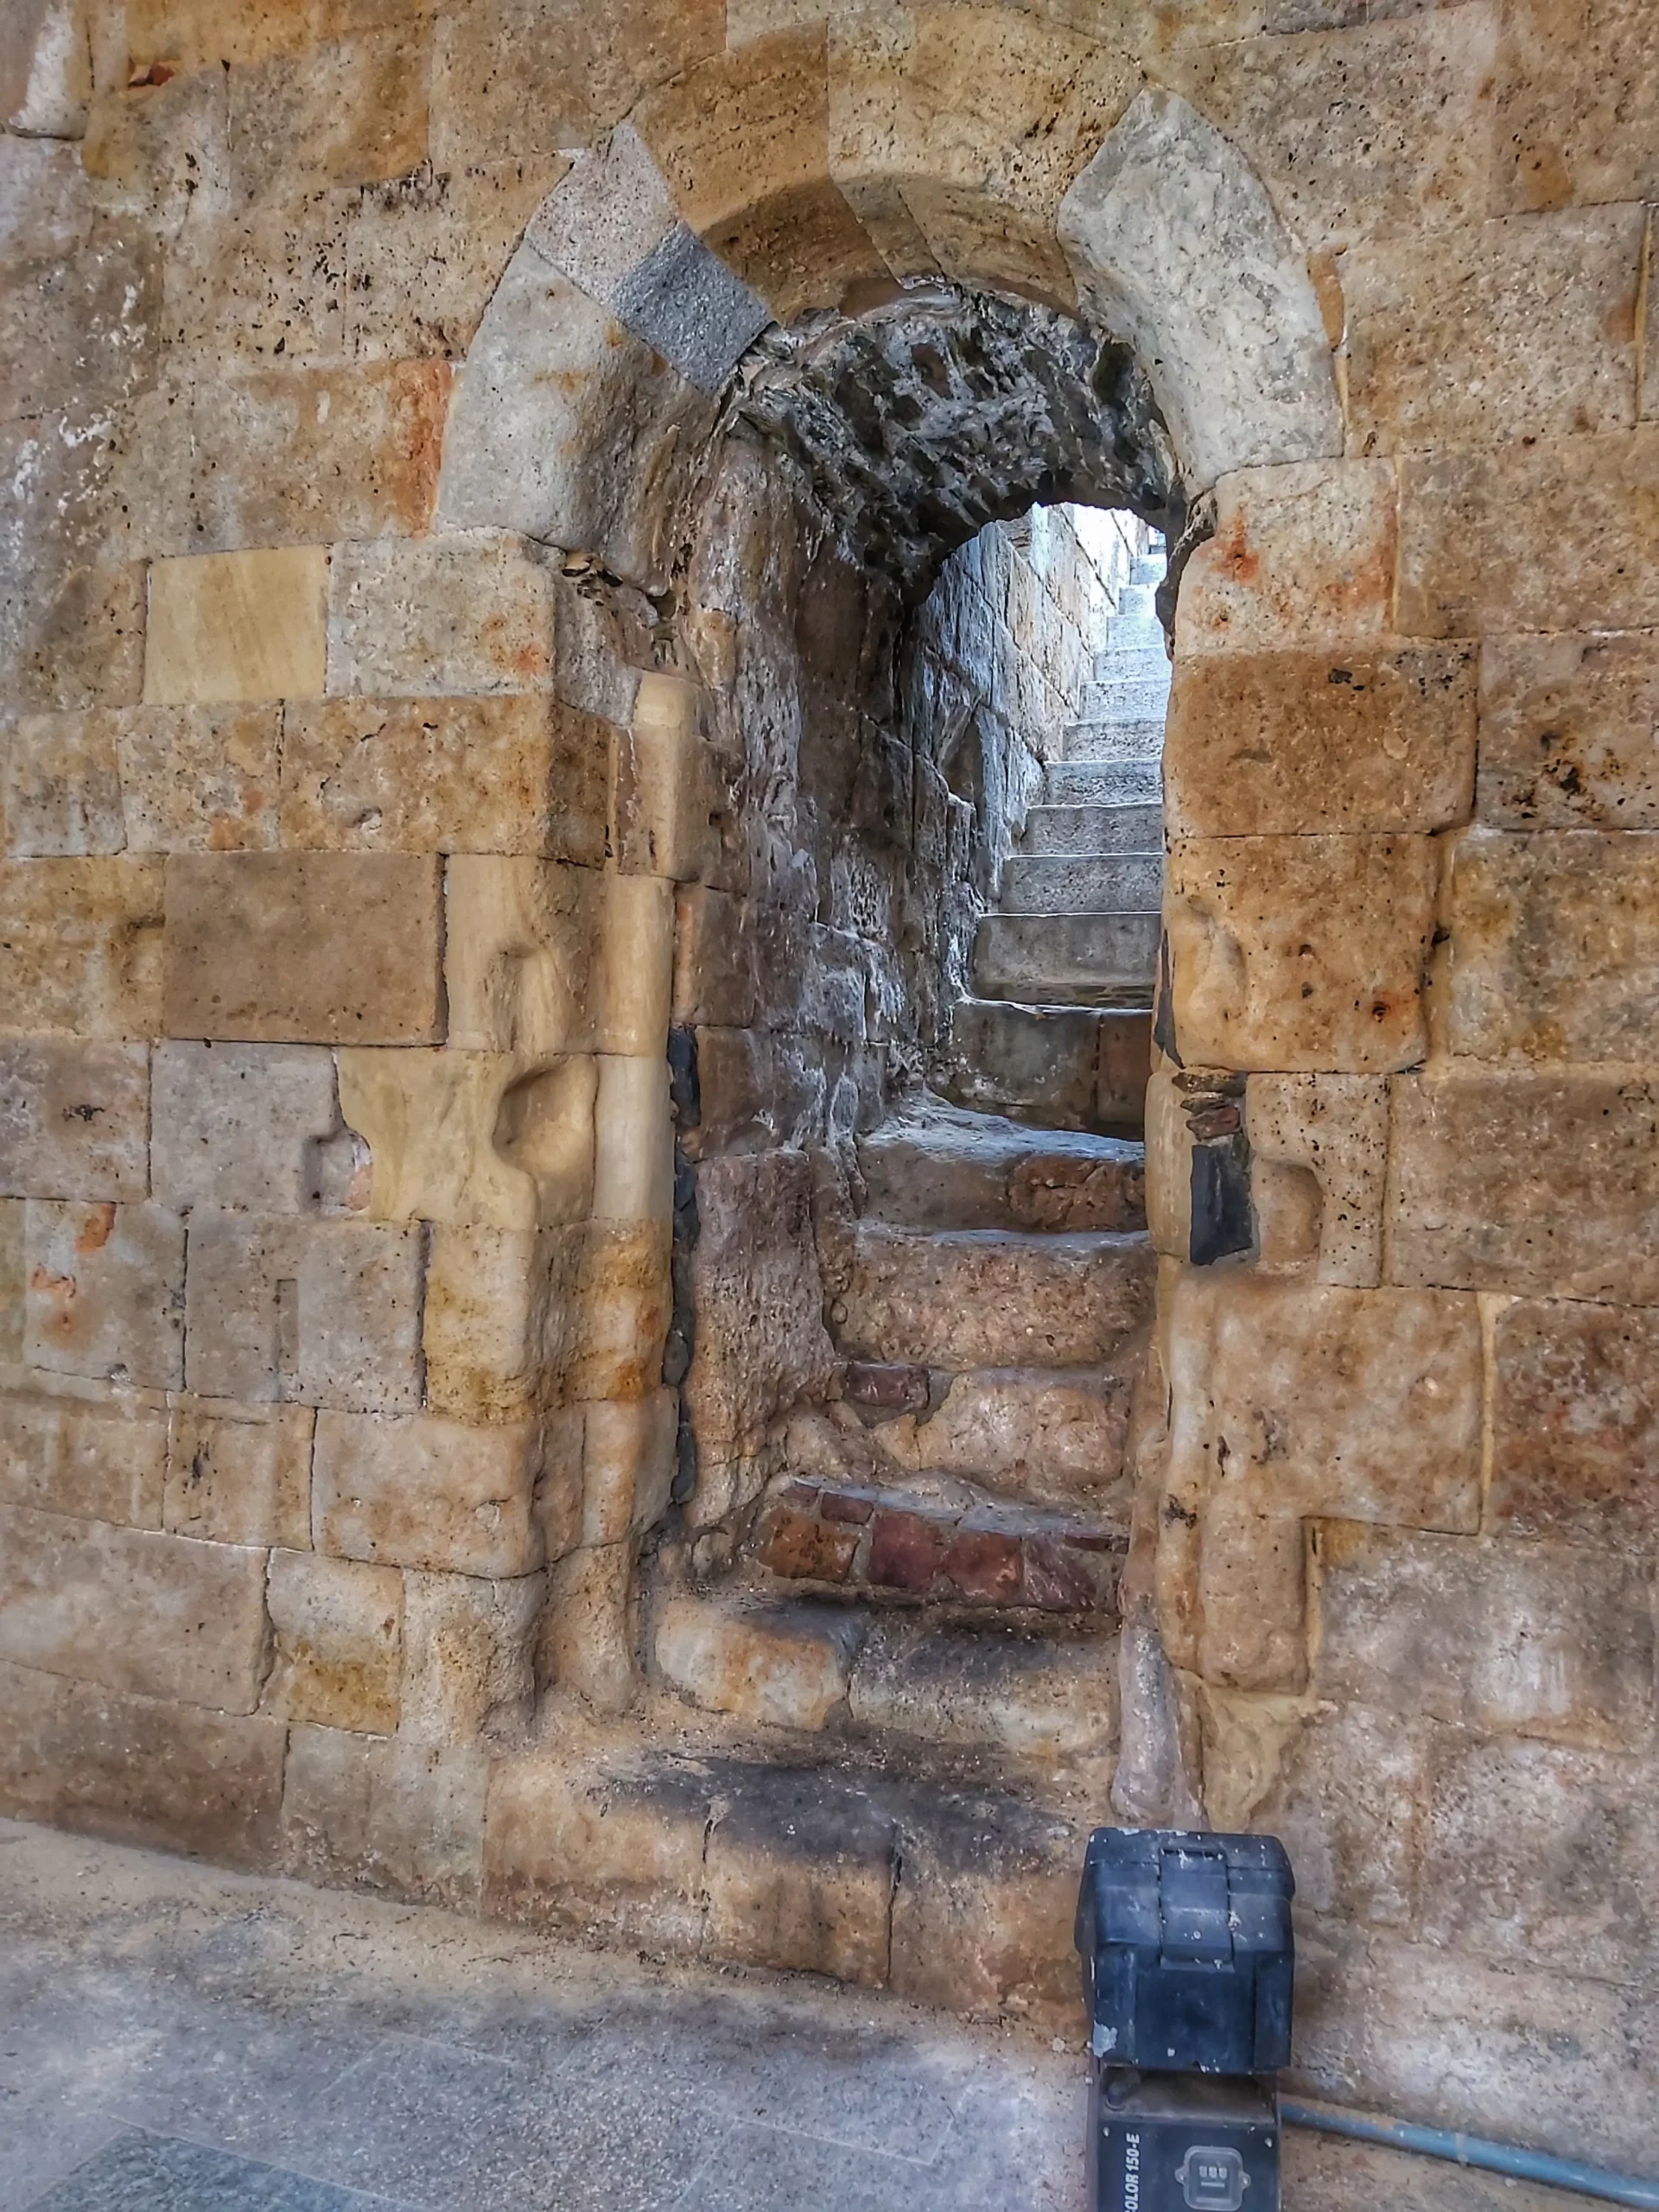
column 1251, row 1627
column 1293, row 953
column 982, row 1910
column 243, row 1125
column 321, row 948
column 75, row 1448
column 1576, row 113
column 237, row 625
column 497, row 1324
column 1540, row 1638
column 801, row 1871
column 1468, row 523
column 354, row 109
column 105, row 1291
column 14, row 1270
column 76, row 1756
column 628, row 1463
column 74, row 1119
column 440, row 618
column 523, row 774
column 1527, row 1182
column 620, row 1310
column 1290, row 744
column 1554, row 945
column 62, row 794
column 1567, row 727
column 1348, row 1805
column 322, row 1312
column 239, row 1473
column 81, row 947
column 678, row 800
column 153, row 1615
column 375, row 1813
column 1332, row 1131
column 1525, row 327
column 633, row 1142
column 469, row 1655
column 1303, row 557
column 1311, row 1399
column 715, row 981
column 426, row 1492
column 199, row 779
column 337, row 1630
column 1575, row 1422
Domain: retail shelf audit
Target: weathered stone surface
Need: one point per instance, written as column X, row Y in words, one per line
column 468, row 1656
column 1309, row 1399
column 200, row 778
column 104, row 1295
column 1575, row 1422
column 239, row 1473
column 1527, row 1182
column 337, row 1627
column 633, row 1142
column 1575, row 114
column 1566, row 732
column 621, row 1309
column 237, row 625
column 45, row 72
column 928, row 1166
column 135, row 1612
column 62, row 794
column 981, row 1920
column 380, row 1814
column 71, row 1447
column 1540, row 1638
column 1554, row 938
column 774, row 1666
column 801, row 1871
column 1334, row 1130
column 715, row 981
column 439, row 617
column 590, row 1640
column 354, row 109
column 1022, row 1694
column 1302, row 558
column 627, row 1465
column 1250, row 1630
column 1348, row 1804
column 1300, row 952
column 508, row 775
column 503, row 1319
column 74, row 1119
column 138, row 1770
column 324, row 947
column 1030, row 1432
column 80, row 946
column 428, row 1493
column 242, row 1125
column 1291, row 744
column 677, row 803
column 13, row 1272
column 1467, row 519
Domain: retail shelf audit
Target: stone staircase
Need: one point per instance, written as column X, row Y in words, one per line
column 1059, row 1027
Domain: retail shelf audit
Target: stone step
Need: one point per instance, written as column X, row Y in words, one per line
column 1135, row 603
column 1123, row 662
column 992, row 1298
column 962, row 1899
column 1060, row 959
column 1103, row 783
column 1054, row 830
column 1132, row 632
column 937, row 1167
column 1075, row 1067
column 1150, row 569
column 1109, row 706
column 1114, row 883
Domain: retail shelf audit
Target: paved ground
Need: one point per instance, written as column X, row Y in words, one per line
column 173, row 2039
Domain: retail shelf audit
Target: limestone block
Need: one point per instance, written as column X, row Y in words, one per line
column 1300, row 952
column 344, row 111
column 74, row 1119
column 274, row 271
column 542, row 959
column 628, row 1463
column 1566, row 732
column 200, row 778
column 45, row 70
column 716, row 982
column 1554, row 936
column 104, row 1294
column 633, row 1150
column 677, row 801
column 1575, row 1422
column 1303, row 1399
column 523, row 774
column 13, row 1272
column 1348, row 1804
column 80, row 947
column 756, row 1089
column 1157, row 230
column 315, row 948
column 499, row 1320
column 237, row 625
column 239, row 1473
column 1251, row 1629
column 1355, row 132
column 1526, row 326
column 620, row 1310
column 744, row 141
column 154, row 1615
column 62, row 796
column 801, row 1876
column 337, row 1630
column 1292, row 744
column 1467, row 519
column 427, row 1492
column 322, row 1312
column 1539, row 1639
column 983, row 1910
column 243, row 1125
column 75, row 1447
column 1303, row 557
column 908, row 125
column 439, row 616
column 1524, row 1182
column 588, row 1642
column 1575, row 111
column 469, row 1651
column 1039, row 1434
column 774, row 1667
column 1334, row 1129
column 956, row 1687
column 378, row 1814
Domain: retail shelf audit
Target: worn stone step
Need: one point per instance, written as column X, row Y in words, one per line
column 1101, row 883
column 1053, row 959
column 1127, row 727
column 1123, row 662
column 992, row 1298
column 1137, row 605
column 1103, row 783
column 1093, row 829
column 1072, row 1067
column 960, row 1899
column 936, row 1166
column 1149, row 568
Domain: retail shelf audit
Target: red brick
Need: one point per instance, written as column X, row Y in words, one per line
column 854, row 1505
column 984, row 1564
column 801, row 1550
column 906, row 1551
column 1061, row 1578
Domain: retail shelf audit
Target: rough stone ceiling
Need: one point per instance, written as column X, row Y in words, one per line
column 921, row 420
